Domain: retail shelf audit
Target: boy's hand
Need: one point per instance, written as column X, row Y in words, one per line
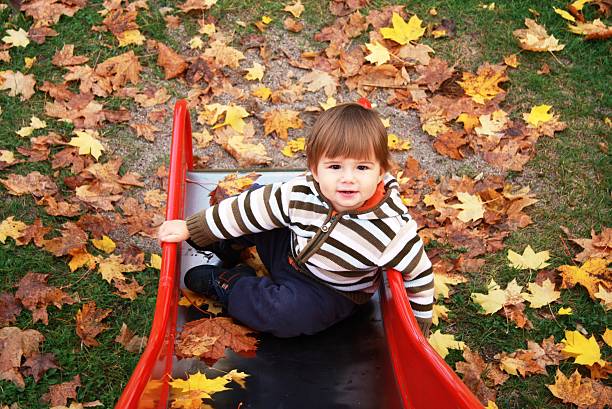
column 173, row 231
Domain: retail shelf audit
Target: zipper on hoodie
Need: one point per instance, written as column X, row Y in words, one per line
column 317, row 241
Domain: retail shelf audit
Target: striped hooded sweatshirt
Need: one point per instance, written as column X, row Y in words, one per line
column 344, row 250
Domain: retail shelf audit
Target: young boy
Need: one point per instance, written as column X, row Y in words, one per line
column 325, row 237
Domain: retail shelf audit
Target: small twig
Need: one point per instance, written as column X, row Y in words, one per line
column 567, row 251
column 79, row 279
column 554, row 317
column 385, row 86
column 555, row 57
column 201, row 184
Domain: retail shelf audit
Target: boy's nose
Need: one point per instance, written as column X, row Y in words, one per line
column 348, row 175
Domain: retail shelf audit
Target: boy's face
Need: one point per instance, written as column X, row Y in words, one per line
column 347, row 183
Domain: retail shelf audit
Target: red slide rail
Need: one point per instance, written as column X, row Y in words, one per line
column 424, row 380
column 155, row 364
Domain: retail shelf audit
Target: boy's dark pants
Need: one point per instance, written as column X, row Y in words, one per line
column 287, row 303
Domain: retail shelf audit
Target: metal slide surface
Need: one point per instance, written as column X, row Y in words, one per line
column 376, row 359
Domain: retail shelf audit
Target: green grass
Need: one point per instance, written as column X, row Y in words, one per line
column 571, row 175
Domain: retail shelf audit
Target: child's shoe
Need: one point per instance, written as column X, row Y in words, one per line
column 216, row 282
column 227, row 251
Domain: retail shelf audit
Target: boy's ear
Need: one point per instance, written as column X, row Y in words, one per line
column 314, row 174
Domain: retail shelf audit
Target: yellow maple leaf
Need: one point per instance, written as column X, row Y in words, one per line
column 155, row 261
column 541, row 295
column 29, row 62
column 607, row 337
column 296, row 9
column 106, row 244
column 403, row 32
column 529, row 259
column 585, row 351
column 469, row 121
column 573, row 389
column 233, row 118
column 491, row 405
column 439, row 311
column 238, row 377
column 266, row 19
column 196, row 43
column 565, row 311
column 397, row 144
column 538, row 115
column 255, row 73
column 11, row 228
column 130, row 37
column 493, row 301
column 199, row 382
column 585, row 275
column 80, row 258
column 378, row 53
column 189, row 400
column 579, row 4
column 207, row 29
column 605, row 296
column 202, row 139
column 443, row 342
column 87, row 143
column 563, row 13
column 17, row 38
column 471, row 207
column 590, row 29
column 330, row 103
column 511, row 60
column 442, row 281
column 484, row 86
column 262, row 92
column 280, row 120
column 294, row 146
column 7, row 156
column 535, row 38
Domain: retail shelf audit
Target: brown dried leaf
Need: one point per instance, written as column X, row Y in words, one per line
column 89, row 323
column 35, row 295
column 9, row 309
column 33, row 183
column 58, row 394
column 72, row 238
column 172, row 63
column 14, row 345
column 65, row 57
column 37, row 364
column 280, row 120
column 227, row 334
column 130, row 341
column 18, row 84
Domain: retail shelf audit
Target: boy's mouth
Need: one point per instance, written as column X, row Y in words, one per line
column 346, row 193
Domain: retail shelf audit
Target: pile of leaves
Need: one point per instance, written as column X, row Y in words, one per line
column 91, row 194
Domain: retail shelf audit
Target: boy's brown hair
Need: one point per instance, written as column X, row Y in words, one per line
column 350, row 131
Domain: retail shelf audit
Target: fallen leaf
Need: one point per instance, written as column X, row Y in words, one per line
column 378, row 53
column 443, row 342
column 255, row 73
column 471, row 207
column 10, row 309
column 589, row 275
column 296, row 8
column 493, row 301
column 172, row 63
column 11, row 228
column 58, row 394
column 228, row 334
column 35, row 295
column 535, row 38
column 33, row 183
column 16, row 344
column 529, row 260
column 87, row 143
column 573, row 389
column 17, row 38
column 89, row 323
column 403, row 32
column 130, row 341
column 105, row 244
column 585, row 351
column 280, row 120
column 18, row 84
column 485, row 85
column 316, row 79
column 541, row 295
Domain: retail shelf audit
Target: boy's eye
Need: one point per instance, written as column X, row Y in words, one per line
column 363, row 167
column 335, row 167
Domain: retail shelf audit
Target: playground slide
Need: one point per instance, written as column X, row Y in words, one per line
column 378, row 359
